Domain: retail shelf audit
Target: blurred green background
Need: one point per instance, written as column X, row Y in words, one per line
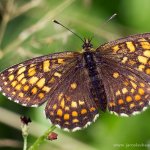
column 26, row 31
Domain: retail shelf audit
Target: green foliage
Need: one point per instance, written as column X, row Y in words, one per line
column 26, row 31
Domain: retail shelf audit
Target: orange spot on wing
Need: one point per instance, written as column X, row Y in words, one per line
column 18, row 87
column 124, row 90
column 83, row 111
column 81, row 102
column 54, row 106
column 115, row 48
column 14, row 83
column 142, row 84
column 62, row 104
column 145, row 45
column 124, row 60
column 115, row 74
column 41, row 83
column 92, row 109
column 142, row 59
column 46, row 66
column 21, row 70
column 132, row 105
column 61, row 61
column 21, row 94
column 46, row 89
column 137, row 97
column 120, row 101
column 130, row 46
column 74, row 114
column 59, row 112
column 34, row 90
column 146, row 53
column 128, row 98
column 111, row 104
column 67, row 108
column 141, row 67
column 133, row 84
column 66, row 116
column 75, row 120
column 23, row 81
column 11, row 77
column 73, row 104
column 74, row 85
column 57, row 74
column 60, row 96
column 14, row 93
column 26, row 87
column 118, row 93
column 33, row 80
column 141, row 91
column 41, row 95
column 147, row 71
column 32, row 71
column 20, row 77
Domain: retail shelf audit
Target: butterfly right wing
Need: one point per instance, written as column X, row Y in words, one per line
column 31, row 82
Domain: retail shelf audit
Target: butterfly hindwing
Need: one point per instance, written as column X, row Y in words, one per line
column 127, row 92
column 71, row 107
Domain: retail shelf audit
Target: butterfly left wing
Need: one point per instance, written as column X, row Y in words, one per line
column 31, row 82
column 71, row 106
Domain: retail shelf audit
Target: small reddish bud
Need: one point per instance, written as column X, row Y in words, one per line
column 52, row 136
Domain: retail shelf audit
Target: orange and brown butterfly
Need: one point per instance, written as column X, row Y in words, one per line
column 76, row 85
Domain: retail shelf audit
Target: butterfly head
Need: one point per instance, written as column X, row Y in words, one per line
column 87, row 46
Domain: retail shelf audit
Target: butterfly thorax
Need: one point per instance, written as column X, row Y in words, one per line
column 97, row 88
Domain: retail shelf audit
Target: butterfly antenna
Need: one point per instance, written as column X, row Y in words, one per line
column 55, row 21
column 113, row 16
column 110, row 18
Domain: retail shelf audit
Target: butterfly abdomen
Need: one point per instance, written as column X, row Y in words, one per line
column 97, row 90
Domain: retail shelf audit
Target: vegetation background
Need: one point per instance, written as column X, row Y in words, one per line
column 26, row 31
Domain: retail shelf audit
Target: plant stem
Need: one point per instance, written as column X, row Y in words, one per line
column 26, row 7
column 41, row 138
column 25, row 133
column 25, row 142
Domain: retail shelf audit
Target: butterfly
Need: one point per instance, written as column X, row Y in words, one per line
column 76, row 85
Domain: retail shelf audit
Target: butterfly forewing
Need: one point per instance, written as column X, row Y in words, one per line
column 133, row 52
column 32, row 82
